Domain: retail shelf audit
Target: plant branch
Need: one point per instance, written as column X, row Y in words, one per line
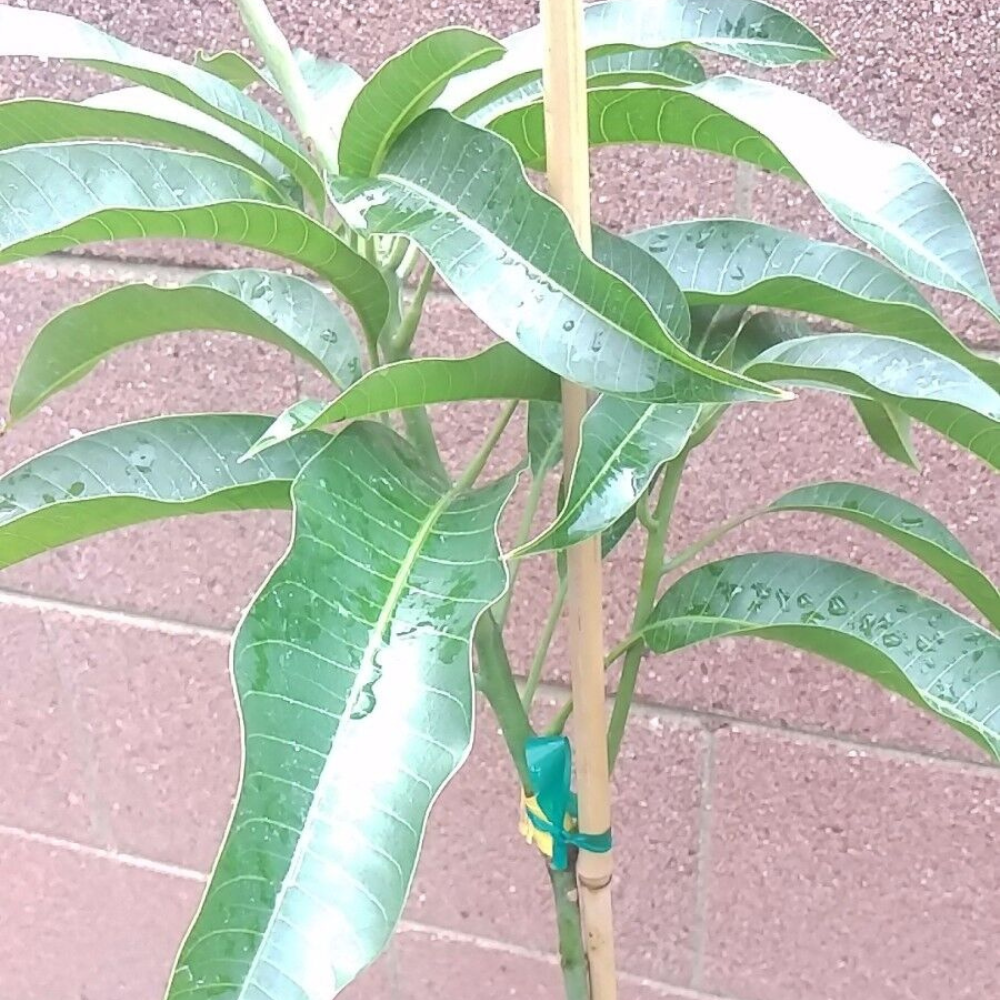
column 649, row 582
column 534, row 498
column 572, row 957
column 544, row 642
column 279, row 59
column 496, row 681
column 402, row 338
column 709, row 538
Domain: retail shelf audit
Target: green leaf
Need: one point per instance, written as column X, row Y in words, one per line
column 230, row 66
column 929, row 388
column 59, row 196
column 545, row 436
column 354, row 676
column 882, row 193
column 45, row 35
column 404, row 87
column 755, row 32
column 167, row 467
column 909, row 526
column 908, row 643
column 889, row 428
column 34, row 120
column 500, row 372
column 732, row 261
column 623, row 445
column 281, row 309
column 673, row 66
column 509, row 253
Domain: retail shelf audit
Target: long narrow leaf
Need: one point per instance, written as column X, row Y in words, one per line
column 881, row 192
column 57, row 196
column 500, row 372
column 930, row 388
column 402, row 88
column 46, row 35
column 906, row 524
column 906, row 642
column 755, row 32
column 623, row 446
column 167, row 467
column 278, row 308
column 354, row 676
column 733, row 261
column 889, row 428
column 509, row 253
column 35, row 120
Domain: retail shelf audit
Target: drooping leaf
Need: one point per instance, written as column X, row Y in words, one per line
column 58, row 196
column 500, row 372
column 881, row 192
column 672, row 66
column 509, row 253
column 733, row 261
column 167, row 467
column 908, row 643
column 926, row 386
column 748, row 30
column 545, row 436
column 889, row 428
column 230, row 66
column 281, row 309
column 909, row 526
column 46, row 35
column 623, row 445
column 333, row 84
column 35, row 120
column 404, row 87
column 354, row 676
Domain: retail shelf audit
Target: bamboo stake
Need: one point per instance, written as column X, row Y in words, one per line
column 564, row 80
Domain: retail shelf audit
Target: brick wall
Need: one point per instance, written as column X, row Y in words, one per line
column 786, row 831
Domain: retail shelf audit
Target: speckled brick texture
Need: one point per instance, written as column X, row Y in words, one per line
column 785, row 830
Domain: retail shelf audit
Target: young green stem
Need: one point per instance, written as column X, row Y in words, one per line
column 523, row 531
column 278, row 56
column 544, row 642
column 402, row 338
column 649, row 581
column 572, row 956
column 496, row 681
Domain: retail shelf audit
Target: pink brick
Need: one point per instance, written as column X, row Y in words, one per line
column 45, row 758
column 86, row 928
column 150, row 751
column 837, row 876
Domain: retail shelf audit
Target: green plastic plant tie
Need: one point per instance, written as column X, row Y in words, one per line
column 551, row 809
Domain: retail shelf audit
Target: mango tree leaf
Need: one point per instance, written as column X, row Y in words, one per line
column 623, row 445
column 545, row 436
column 908, row 643
column 509, row 253
column 281, row 309
column 62, row 195
column 929, row 388
column 34, row 120
column 404, row 87
column 354, row 676
column 881, row 192
column 167, row 467
column 46, row 35
column 672, row 66
column 230, row 66
column 732, row 261
column 500, row 372
column 889, row 428
column 748, row 30
column 909, row 526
